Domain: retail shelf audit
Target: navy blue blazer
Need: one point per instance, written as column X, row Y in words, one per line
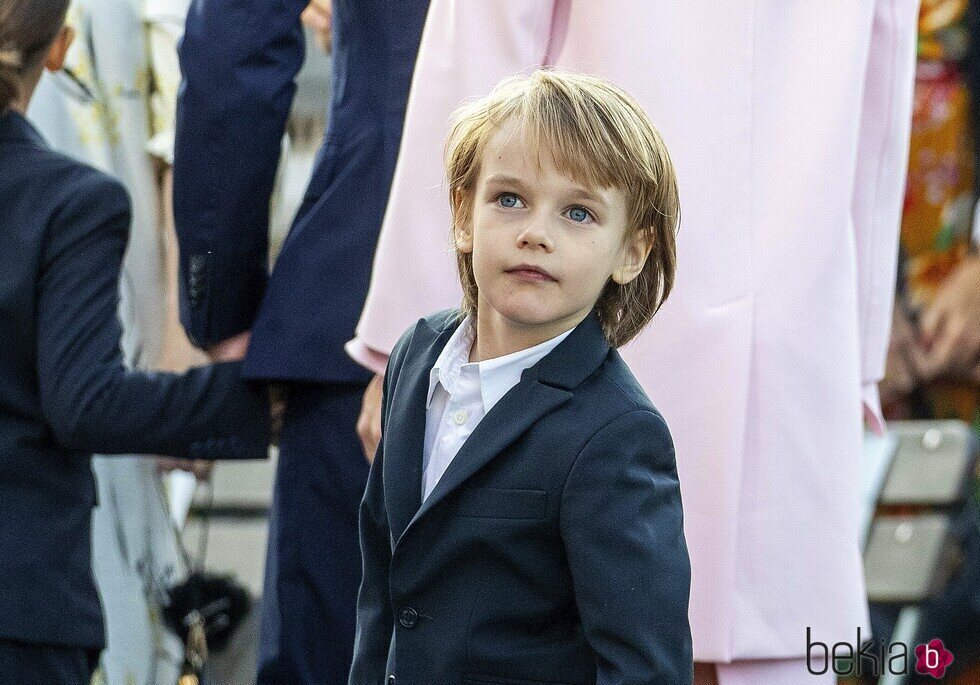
column 64, row 392
column 238, row 62
column 552, row 549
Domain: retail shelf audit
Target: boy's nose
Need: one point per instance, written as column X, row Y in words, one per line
column 535, row 235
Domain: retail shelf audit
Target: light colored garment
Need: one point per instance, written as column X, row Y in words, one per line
column 774, row 672
column 461, row 392
column 164, row 27
column 788, row 124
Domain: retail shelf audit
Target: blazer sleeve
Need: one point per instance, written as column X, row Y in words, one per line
column 622, row 526
column 238, row 61
column 466, row 49
column 91, row 401
column 375, row 618
column 879, row 187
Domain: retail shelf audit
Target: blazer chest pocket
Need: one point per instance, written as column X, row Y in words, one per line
column 502, row 504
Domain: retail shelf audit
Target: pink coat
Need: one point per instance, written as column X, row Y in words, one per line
column 788, row 123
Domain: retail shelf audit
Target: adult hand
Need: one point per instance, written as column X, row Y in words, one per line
column 234, row 349
column 369, row 421
column 950, row 328
column 199, row 467
column 705, row 673
column 900, row 371
column 230, row 350
column 318, row 15
column 974, row 374
column 278, row 395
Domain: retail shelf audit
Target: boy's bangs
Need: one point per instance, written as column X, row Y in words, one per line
column 578, row 147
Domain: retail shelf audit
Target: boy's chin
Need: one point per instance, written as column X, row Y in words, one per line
column 522, row 313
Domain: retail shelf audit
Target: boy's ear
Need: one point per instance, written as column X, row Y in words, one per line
column 635, row 255
column 462, row 223
column 55, row 59
column 463, row 236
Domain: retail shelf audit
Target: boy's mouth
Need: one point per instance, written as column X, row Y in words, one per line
column 530, row 272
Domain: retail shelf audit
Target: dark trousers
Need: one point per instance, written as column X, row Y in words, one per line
column 313, row 561
column 21, row 662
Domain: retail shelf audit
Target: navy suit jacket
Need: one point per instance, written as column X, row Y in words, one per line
column 64, row 392
column 552, row 549
column 238, row 62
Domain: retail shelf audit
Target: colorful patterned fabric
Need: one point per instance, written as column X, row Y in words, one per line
column 939, row 201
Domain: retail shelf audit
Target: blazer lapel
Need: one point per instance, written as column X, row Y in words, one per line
column 542, row 388
column 404, row 435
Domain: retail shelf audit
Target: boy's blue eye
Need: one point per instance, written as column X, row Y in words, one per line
column 508, row 200
column 579, row 214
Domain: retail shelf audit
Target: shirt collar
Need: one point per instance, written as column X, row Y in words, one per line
column 497, row 375
column 449, row 362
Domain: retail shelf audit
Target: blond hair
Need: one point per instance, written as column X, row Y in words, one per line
column 598, row 135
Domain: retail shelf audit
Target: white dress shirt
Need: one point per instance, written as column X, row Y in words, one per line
column 462, row 392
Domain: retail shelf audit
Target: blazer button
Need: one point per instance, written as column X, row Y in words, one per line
column 409, row 617
column 196, row 279
column 391, row 680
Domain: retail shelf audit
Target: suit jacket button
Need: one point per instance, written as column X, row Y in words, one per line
column 391, row 680
column 195, row 279
column 409, row 617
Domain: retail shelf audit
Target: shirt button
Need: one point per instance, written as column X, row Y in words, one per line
column 409, row 617
column 459, row 418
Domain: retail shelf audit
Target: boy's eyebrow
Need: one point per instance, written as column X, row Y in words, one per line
column 580, row 193
column 505, row 179
column 576, row 193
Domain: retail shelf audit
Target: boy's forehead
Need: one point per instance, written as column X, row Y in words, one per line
column 513, row 149
column 511, row 152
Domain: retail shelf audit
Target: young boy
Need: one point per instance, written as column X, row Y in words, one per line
column 522, row 520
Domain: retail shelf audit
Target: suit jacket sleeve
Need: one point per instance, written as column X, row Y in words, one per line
column 88, row 397
column 238, row 62
column 375, row 619
column 879, row 187
column 622, row 526
column 466, row 49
